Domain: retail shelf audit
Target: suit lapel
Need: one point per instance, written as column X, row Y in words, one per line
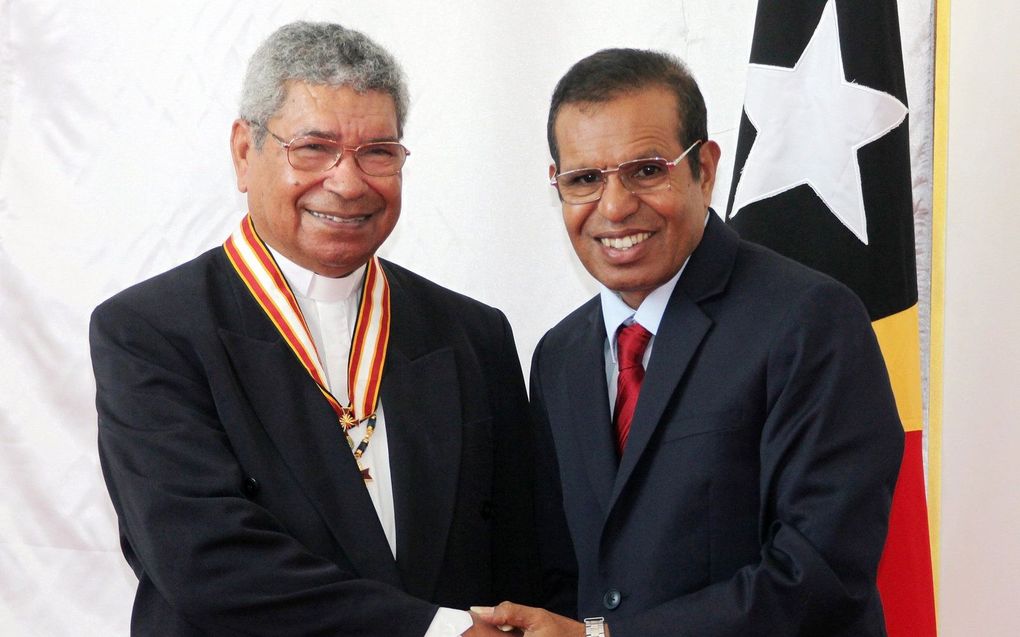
column 588, row 404
column 305, row 431
column 422, row 405
column 683, row 327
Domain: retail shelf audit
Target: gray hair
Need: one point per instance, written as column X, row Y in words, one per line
column 317, row 53
column 609, row 73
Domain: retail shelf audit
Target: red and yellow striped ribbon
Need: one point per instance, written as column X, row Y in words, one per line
column 261, row 275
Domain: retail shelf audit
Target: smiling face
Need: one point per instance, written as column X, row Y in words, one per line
column 328, row 222
column 633, row 243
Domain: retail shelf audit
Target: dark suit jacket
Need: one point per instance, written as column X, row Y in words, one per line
column 754, row 492
column 240, row 505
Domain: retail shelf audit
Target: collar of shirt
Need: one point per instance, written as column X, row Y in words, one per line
column 649, row 314
column 315, row 286
column 330, row 309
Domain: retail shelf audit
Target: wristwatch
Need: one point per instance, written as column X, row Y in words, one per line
column 595, row 627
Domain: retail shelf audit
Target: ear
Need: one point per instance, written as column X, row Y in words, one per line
column 241, row 150
column 708, row 156
column 552, row 171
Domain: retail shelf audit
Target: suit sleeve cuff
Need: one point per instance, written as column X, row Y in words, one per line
column 449, row 623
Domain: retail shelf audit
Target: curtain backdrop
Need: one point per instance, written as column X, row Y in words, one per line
column 114, row 166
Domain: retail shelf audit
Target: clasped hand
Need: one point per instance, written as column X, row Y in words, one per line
column 516, row 619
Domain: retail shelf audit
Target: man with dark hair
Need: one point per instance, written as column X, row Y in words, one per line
column 298, row 437
column 717, row 438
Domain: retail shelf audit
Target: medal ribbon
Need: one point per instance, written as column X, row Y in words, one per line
column 261, row 275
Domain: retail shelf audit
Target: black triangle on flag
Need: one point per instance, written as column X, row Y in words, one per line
column 822, row 168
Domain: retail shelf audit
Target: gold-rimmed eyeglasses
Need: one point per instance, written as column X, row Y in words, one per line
column 310, row 153
column 638, row 176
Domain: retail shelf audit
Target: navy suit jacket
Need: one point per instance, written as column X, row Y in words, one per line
column 753, row 495
column 240, row 505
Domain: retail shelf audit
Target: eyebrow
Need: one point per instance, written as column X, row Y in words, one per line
column 333, row 137
column 651, row 154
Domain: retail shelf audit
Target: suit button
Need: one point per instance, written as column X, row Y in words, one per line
column 611, row 600
column 251, row 486
column 486, row 510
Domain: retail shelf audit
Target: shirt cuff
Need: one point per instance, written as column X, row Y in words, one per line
column 449, row 623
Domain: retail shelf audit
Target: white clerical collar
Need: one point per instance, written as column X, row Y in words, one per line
column 315, row 286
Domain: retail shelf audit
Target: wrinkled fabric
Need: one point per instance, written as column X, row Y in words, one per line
column 114, row 166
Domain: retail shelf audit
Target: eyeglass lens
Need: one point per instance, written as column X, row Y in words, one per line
column 315, row 154
column 637, row 176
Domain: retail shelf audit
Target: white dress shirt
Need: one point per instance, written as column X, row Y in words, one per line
column 330, row 309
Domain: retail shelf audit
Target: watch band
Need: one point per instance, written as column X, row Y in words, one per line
column 595, row 627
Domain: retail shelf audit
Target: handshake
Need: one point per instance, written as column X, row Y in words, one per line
column 515, row 619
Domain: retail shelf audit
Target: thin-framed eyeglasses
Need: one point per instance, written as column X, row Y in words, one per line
column 638, row 176
column 310, row 153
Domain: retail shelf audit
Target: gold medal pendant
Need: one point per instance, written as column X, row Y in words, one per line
column 347, row 419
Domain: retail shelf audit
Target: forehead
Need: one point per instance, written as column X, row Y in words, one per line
column 632, row 125
column 339, row 110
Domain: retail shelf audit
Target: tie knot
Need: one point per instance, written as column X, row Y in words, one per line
column 631, row 342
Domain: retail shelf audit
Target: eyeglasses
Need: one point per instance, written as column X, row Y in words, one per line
column 638, row 176
column 319, row 154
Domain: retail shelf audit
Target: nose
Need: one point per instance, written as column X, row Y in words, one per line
column 617, row 203
column 345, row 179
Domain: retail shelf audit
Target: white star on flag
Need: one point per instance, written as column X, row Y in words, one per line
column 810, row 123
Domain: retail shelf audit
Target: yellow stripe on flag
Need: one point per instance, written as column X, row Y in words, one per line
column 898, row 338
column 940, row 151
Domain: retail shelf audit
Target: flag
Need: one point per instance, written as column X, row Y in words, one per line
column 822, row 175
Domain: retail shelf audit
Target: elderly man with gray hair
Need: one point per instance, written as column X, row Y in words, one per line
column 298, row 437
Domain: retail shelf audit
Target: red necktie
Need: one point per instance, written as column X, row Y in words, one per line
column 631, row 342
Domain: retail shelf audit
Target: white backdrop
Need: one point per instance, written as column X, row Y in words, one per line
column 980, row 555
column 114, row 166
